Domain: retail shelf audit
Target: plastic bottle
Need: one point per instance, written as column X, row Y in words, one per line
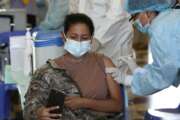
column 28, row 53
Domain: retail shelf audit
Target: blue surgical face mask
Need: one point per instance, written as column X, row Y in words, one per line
column 77, row 48
column 140, row 27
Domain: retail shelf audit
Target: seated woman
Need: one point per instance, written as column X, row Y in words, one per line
column 91, row 94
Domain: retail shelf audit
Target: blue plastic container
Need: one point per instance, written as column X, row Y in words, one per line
column 4, row 37
column 48, row 45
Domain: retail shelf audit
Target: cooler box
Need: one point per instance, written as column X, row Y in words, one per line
column 47, row 46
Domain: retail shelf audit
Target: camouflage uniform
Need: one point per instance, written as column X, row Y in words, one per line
column 51, row 77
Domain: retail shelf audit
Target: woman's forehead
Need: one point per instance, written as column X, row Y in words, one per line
column 79, row 28
column 82, row 25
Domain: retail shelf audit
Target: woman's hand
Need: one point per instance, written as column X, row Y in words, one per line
column 74, row 102
column 45, row 113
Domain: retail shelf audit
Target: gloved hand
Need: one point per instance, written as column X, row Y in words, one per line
column 130, row 62
column 116, row 73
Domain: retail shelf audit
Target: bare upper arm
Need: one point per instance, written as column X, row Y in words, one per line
column 114, row 87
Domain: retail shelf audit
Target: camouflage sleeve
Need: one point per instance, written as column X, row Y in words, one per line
column 37, row 93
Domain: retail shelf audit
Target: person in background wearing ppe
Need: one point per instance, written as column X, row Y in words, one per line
column 161, row 23
column 57, row 10
column 91, row 94
column 42, row 7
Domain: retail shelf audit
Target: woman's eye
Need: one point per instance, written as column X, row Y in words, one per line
column 85, row 38
column 72, row 37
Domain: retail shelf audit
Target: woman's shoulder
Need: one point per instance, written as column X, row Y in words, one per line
column 41, row 72
column 98, row 55
column 107, row 61
column 47, row 68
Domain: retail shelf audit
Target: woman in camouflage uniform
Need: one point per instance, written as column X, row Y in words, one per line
column 91, row 94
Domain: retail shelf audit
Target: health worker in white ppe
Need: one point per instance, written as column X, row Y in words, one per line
column 114, row 33
column 162, row 24
column 57, row 10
